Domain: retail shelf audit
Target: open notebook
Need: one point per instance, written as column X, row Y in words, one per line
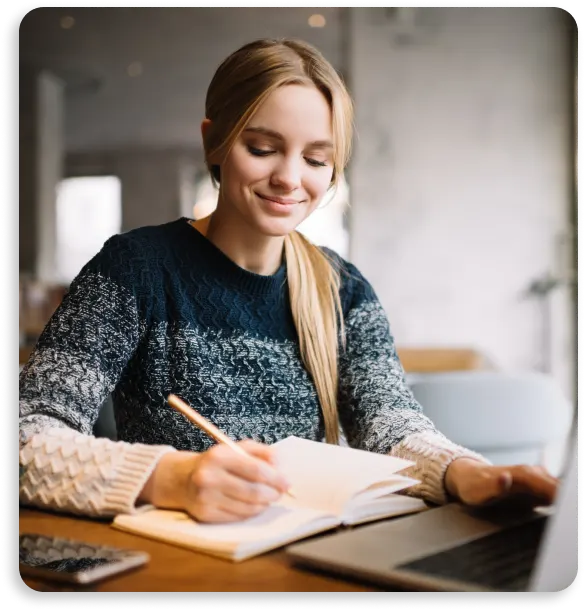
column 333, row 485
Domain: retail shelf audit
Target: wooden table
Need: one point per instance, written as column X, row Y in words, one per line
column 174, row 569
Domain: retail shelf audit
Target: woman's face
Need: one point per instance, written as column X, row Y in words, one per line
column 281, row 165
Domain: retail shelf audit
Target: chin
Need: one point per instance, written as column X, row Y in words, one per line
column 278, row 227
column 277, row 231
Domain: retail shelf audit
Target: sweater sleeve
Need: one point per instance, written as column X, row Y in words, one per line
column 78, row 360
column 378, row 411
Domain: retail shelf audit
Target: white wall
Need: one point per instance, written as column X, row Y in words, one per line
column 460, row 179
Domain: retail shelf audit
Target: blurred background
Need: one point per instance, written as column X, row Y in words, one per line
column 459, row 204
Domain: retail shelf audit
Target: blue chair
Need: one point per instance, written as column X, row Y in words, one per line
column 510, row 418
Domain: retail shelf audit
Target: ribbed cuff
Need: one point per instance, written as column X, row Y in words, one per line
column 137, row 465
column 433, row 453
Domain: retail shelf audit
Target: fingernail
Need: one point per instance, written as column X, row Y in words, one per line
column 273, row 495
column 269, row 472
column 507, row 480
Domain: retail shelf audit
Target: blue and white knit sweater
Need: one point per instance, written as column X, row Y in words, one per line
column 161, row 310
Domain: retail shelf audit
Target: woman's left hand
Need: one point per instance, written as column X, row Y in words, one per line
column 476, row 483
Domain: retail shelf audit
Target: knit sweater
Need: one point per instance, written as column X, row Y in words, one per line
column 162, row 310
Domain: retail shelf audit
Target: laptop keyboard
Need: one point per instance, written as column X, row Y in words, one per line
column 500, row 561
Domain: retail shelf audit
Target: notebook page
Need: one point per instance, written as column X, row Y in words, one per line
column 278, row 522
column 384, row 507
column 326, row 477
column 378, row 490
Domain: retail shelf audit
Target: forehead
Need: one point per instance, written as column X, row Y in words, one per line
column 297, row 112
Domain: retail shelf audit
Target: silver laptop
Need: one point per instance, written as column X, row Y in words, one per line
column 455, row 548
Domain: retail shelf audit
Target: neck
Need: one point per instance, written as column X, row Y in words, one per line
column 258, row 254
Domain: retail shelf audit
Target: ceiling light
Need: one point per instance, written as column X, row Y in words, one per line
column 317, row 21
column 67, row 22
column 134, row 69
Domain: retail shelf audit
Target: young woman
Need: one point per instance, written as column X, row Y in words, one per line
column 262, row 332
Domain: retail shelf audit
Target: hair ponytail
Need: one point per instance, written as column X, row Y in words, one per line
column 316, row 309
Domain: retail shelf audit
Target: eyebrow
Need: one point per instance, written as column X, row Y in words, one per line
column 272, row 134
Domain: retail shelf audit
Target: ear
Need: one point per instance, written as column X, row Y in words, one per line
column 205, row 130
column 205, row 125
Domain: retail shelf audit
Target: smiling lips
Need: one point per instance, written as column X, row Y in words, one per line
column 283, row 201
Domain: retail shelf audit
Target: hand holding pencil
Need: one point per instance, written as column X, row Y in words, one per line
column 229, row 482
column 196, row 418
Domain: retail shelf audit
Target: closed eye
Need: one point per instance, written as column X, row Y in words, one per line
column 315, row 163
column 260, row 152
column 265, row 152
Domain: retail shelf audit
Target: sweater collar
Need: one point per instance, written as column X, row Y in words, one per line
column 220, row 265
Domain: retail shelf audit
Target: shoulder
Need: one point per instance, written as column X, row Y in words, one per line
column 130, row 258
column 143, row 240
column 354, row 287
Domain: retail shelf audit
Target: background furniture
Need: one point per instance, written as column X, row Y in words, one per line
column 432, row 360
column 508, row 417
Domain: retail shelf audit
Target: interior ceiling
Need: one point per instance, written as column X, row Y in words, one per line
column 178, row 50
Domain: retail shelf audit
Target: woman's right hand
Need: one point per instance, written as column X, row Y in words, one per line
column 218, row 485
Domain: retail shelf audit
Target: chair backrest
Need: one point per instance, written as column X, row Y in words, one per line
column 508, row 417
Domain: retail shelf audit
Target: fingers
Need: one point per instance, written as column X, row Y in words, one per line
column 533, row 481
column 259, row 450
column 517, row 484
column 241, row 490
column 214, row 504
column 258, row 467
column 225, row 486
column 523, row 485
column 220, row 514
column 505, row 481
column 228, row 498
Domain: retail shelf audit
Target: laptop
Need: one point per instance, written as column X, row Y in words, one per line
column 455, row 548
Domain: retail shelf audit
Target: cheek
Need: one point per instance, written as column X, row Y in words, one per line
column 245, row 169
column 317, row 184
column 259, row 170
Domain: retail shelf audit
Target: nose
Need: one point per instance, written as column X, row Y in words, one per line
column 286, row 175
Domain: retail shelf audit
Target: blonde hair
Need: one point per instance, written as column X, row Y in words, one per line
column 240, row 85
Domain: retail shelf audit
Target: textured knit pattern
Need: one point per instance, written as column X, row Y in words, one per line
column 77, row 473
column 161, row 310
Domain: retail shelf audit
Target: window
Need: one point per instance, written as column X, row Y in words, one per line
column 89, row 211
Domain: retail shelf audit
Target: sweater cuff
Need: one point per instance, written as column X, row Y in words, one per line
column 132, row 473
column 64, row 470
column 432, row 453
